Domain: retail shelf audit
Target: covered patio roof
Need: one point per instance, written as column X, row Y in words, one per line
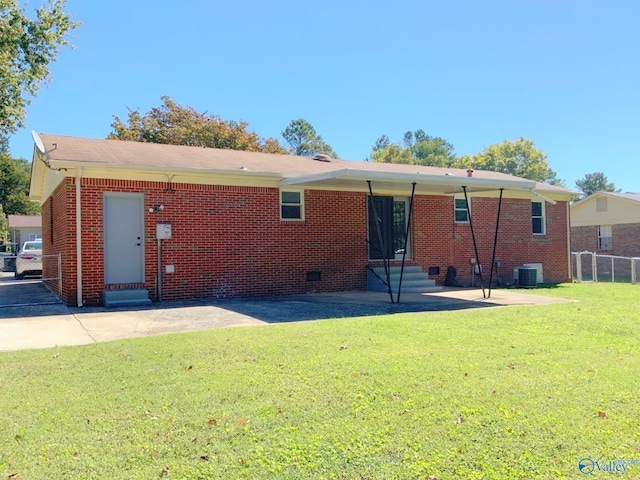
column 356, row 180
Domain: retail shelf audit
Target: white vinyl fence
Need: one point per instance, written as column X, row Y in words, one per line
column 592, row 267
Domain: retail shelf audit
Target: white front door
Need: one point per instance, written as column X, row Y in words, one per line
column 123, row 238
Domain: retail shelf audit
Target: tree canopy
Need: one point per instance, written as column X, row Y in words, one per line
column 15, row 176
column 27, row 47
column 519, row 158
column 305, row 141
column 416, row 148
column 177, row 125
column 4, row 226
column 595, row 182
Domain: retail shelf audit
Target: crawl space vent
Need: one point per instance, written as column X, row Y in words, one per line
column 313, row 276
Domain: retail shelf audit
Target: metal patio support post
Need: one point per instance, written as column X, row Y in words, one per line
column 495, row 242
column 473, row 237
column 385, row 260
column 406, row 238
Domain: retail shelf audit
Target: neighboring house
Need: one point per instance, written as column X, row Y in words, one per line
column 23, row 228
column 607, row 223
column 188, row 222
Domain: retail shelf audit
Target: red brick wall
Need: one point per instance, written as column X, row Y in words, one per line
column 584, row 239
column 625, row 240
column 235, row 244
column 440, row 241
column 59, row 237
column 230, row 241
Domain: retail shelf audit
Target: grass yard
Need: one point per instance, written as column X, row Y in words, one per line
column 511, row 392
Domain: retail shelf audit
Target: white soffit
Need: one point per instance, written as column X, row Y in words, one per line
column 356, row 180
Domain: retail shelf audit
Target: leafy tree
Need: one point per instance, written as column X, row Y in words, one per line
column 434, row 151
column 177, row 125
column 304, row 140
column 4, row 226
column 15, row 177
column 595, row 182
column 382, row 143
column 416, row 148
column 393, row 153
column 519, row 158
column 27, row 47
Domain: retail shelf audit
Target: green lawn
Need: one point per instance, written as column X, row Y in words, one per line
column 511, row 392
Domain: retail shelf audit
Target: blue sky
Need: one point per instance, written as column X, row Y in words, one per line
column 563, row 73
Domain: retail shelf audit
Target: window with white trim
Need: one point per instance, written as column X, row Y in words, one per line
column 605, row 237
column 538, row 220
column 35, row 236
column 291, row 205
column 460, row 212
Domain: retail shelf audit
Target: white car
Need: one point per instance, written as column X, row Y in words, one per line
column 29, row 259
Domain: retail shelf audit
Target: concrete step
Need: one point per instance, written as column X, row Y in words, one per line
column 414, row 280
column 125, row 297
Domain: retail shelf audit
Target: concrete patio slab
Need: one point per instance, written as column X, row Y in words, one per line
column 45, row 322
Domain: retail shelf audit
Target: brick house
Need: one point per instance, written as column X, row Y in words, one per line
column 23, row 228
column 187, row 222
column 607, row 223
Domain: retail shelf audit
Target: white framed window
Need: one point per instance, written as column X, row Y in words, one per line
column 35, row 236
column 538, row 219
column 605, row 237
column 291, row 205
column 461, row 215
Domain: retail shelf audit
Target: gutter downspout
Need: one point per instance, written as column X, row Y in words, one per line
column 78, row 237
column 553, row 202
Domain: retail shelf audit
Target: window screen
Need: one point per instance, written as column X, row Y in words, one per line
column 290, row 205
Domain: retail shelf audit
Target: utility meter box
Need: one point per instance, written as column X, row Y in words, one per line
column 163, row 231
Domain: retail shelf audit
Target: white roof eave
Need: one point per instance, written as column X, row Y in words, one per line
column 445, row 183
column 62, row 164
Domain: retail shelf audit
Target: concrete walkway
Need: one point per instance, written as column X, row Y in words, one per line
column 32, row 317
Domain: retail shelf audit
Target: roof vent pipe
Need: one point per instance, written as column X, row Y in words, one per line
column 321, row 157
column 470, row 173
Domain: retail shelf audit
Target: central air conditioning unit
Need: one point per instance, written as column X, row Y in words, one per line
column 537, row 266
column 527, row 277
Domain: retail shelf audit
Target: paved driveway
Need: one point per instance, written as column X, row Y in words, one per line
column 20, row 293
column 32, row 317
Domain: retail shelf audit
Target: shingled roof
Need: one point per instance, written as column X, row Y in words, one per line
column 24, row 221
column 64, row 152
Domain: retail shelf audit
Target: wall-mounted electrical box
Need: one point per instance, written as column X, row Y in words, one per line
column 163, row 231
